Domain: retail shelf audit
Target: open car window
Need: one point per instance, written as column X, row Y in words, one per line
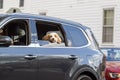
column 49, row 34
column 17, row 30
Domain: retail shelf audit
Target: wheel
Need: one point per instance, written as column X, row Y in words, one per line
column 84, row 77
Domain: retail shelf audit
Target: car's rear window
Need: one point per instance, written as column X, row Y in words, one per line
column 77, row 37
column 2, row 17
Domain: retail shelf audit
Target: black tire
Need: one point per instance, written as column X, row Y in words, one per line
column 84, row 77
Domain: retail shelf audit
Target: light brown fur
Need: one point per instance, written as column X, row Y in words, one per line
column 52, row 37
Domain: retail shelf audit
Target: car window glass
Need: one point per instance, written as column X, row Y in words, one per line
column 77, row 36
column 49, row 34
column 2, row 17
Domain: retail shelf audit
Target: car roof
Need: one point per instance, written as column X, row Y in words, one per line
column 35, row 16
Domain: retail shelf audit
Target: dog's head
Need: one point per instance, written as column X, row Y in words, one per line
column 52, row 37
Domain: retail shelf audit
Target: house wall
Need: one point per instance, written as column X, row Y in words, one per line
column 86, row 12
column 7, row 4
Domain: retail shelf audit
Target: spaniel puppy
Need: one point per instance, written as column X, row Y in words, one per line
column 52, row 37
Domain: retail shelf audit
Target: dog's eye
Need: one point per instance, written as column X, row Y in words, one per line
column 50, row 36
column 55, row 35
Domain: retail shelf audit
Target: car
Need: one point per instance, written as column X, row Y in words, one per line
column 25, row 55
column 112, row 63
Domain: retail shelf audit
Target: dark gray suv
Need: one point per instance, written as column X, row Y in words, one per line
column 25, row 55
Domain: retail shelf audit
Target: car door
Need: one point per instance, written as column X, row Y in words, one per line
column 54, row 62
column 19, row 62
column 55, row 65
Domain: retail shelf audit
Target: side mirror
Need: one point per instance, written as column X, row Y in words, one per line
column 5, row 41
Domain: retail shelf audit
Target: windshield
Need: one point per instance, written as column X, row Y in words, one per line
column 112, row 54
column 2, row 17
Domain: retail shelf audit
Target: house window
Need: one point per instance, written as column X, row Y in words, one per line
column 108, row 25
column 1, row 4
column 21, row 4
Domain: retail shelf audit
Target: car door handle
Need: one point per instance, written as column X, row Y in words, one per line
column 30, row 57
column 72, row 57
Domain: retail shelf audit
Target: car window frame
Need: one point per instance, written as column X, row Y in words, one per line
column 61, row 29
column 94, row 43
column 9, row 19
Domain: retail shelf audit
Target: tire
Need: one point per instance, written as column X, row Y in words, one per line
column 84, row 77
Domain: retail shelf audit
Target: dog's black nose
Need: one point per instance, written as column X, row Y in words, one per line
column 53, row 39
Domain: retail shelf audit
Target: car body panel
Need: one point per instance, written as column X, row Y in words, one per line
column 35, row 62
column 14, row 66
column 113, row 66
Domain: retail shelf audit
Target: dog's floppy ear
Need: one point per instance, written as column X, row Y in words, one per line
column 59, row 39
column 46, row 37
